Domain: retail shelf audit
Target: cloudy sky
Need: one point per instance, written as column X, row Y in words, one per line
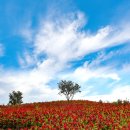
column 45, row 41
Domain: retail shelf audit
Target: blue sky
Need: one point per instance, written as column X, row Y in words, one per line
column 45, row 41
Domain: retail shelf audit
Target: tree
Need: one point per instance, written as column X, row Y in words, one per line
column 68, row 88
column 15, row 98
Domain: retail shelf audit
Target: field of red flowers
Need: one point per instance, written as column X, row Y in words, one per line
column 63, row 115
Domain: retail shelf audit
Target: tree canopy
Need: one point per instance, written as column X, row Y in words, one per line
column 15, row 98
column 68, row 88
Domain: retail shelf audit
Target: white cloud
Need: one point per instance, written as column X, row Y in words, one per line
column 26, row 60
column 58, row 40
column 64, row 41
column 119, row 92
column 25, row 82
column 84, row 73
column 101, row 56
column 119, row 34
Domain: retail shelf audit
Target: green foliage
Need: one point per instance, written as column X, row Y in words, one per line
column 68, row 88
column 119, row 101
column 100, row 101
column 15, row 98
column 125, row 102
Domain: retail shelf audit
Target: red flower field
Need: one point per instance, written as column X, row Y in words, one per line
column 63, row 115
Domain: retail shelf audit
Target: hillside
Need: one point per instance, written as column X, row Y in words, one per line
column 65, row 115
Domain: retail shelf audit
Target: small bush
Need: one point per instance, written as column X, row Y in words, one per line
column 125, row 102
column 119, row 101
column 100, row 101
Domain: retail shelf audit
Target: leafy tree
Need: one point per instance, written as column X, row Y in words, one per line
column 15, row 98
column 68, row 88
